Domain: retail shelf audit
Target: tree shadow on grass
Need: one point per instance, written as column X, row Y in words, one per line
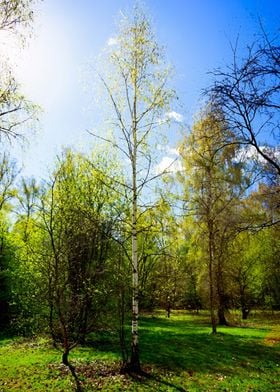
column 147, row 376
column 187, row 345
column 180, row 345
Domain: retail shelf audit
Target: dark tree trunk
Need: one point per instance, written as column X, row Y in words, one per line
column 244, row 304
column 65, row 358
column 66, row 348
column 221, row 316
column 122, row 340
column 220, row 292
column 66, row 362
column 245, row 313
column 134, row 365
column 168, row 308
column 211, row 283
column 221, row 299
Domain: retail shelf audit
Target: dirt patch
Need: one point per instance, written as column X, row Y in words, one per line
column 273, row 337
column 94, row 374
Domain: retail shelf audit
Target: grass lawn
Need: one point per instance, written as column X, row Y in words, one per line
column 178, row 354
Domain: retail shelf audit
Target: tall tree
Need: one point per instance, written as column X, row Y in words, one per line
column 214, row 185
column 138, row 91
column 244, row 271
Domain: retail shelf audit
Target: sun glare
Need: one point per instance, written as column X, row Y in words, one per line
column 42, row 67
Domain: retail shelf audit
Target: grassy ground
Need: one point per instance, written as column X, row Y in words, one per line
column 179, row 354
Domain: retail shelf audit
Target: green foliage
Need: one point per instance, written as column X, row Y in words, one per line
column 78, row 219
column 6, row 255
column 7, row 192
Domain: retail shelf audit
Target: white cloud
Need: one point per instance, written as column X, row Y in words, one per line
column 250, row 153
column 172, row 151
column 160, row 147
column 168, row 150
column 112, row 41
column 168, row 164
column 174, row 116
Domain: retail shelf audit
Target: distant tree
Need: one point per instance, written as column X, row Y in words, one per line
column 267, row 198
column 245, row 271
column 170, row 274
column 271, row 270
column 252, row 268
column 192, row 299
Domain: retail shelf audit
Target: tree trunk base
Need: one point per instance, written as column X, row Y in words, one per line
column 245, row 314
column 72, row 370
column 133, row 366
column 222, row 318
column 223, row 321
column 65, row 359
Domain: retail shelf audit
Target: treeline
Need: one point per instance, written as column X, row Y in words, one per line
column 66, row 252
column 207, row 239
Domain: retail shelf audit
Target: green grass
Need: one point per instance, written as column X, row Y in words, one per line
column 178, row 354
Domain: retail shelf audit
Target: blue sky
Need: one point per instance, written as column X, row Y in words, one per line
column 68, row 33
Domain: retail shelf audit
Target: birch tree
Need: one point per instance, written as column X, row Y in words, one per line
column 137, row 87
